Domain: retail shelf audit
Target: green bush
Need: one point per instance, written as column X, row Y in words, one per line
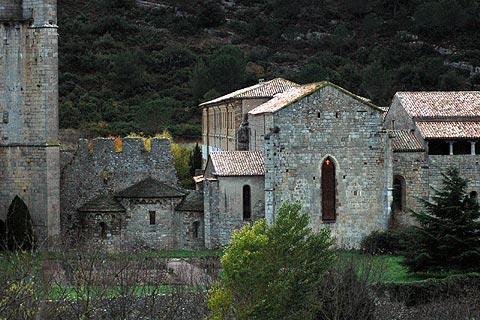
column 388, row 242
column 425, row 291
column 273, row 272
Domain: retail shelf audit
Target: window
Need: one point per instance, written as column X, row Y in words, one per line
column 103, row 230
column 196, row 227
column 247, row 203
column 328, row 191
column 152, row 215
column 398, row 194
column 438, row 147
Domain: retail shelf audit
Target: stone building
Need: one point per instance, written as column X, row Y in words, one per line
column 233, row 193
column 436, row 130
column 354, row 167
column 29, row 147
column 223, row 117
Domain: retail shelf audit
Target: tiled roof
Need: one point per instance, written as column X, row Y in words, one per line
column 265, row 89
column 150, row 188
column 102, row 203
column 294, row 94
column 285, row 98
column 405, row 141
column 238, row 163
column 449, row 129
column 192, row 202
column 441, row 104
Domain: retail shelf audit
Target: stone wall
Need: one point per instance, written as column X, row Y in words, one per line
column 413, row 168
column 468, row 166
column 161, row 235
column 29, row 153
column 96, row 167
column 224, row 207
column 331, row 123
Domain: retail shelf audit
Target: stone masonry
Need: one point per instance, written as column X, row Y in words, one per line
column 29, row 147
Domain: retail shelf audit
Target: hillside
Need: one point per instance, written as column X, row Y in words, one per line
column 143, row 66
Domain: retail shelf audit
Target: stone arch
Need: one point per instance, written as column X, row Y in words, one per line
column 329, row 189
column 19, row 226
column 399, row 193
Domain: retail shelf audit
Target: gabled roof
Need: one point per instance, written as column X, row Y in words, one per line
column 295, row 94
column 260, row 90
column 102, row 203
column 440, row 104
column 192, row 202
column 237, row 163
column 449, row 129
column 150, row 188
column 405, row 141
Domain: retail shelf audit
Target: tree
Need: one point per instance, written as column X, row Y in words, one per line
column 195, row 160
column 449, row 231
column 19, row 226
column 273, row 272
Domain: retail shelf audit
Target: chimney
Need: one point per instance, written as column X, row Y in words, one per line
column 261, row 80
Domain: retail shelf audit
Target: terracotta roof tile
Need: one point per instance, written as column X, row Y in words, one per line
column 238, row 163
column 294, row 94
column 441, row 104
column 150, row 188
column 102, row 203
column 405, row 141
column 260, row 90
column 449, row 129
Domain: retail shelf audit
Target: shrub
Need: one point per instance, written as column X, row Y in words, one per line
column 273, row 272
column 388, row 242
column 345, row 291
column 421, row 292
column 211, row 14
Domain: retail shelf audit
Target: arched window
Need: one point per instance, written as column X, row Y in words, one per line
column 103, row 230
column 196, row 227
column 247, row 203
column 398, row 193
column 328, row 191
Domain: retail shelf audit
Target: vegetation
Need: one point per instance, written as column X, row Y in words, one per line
column 273, row 272
column 125, row 68
column 393, row 241
column 449, row 231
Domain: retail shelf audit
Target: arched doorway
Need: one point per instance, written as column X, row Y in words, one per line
column 328, row 189
column 398, row 194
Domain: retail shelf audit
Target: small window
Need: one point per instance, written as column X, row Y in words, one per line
column 152, row 217
column 247, row 205
column 399, row 194
column 196, row 227
column 103, row 230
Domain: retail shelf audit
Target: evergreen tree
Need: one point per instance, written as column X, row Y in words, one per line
column 195, row 159
column 19, row 226
column 449, row 229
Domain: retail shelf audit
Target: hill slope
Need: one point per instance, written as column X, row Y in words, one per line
column 143, row 66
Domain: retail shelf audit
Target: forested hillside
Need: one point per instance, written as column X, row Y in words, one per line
column 143, row 66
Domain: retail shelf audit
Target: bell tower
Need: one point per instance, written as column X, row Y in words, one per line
column 29, row 146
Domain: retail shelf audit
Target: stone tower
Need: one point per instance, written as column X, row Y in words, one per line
column 29, row 147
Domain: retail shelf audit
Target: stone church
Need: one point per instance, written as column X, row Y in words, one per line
column 355, row 167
